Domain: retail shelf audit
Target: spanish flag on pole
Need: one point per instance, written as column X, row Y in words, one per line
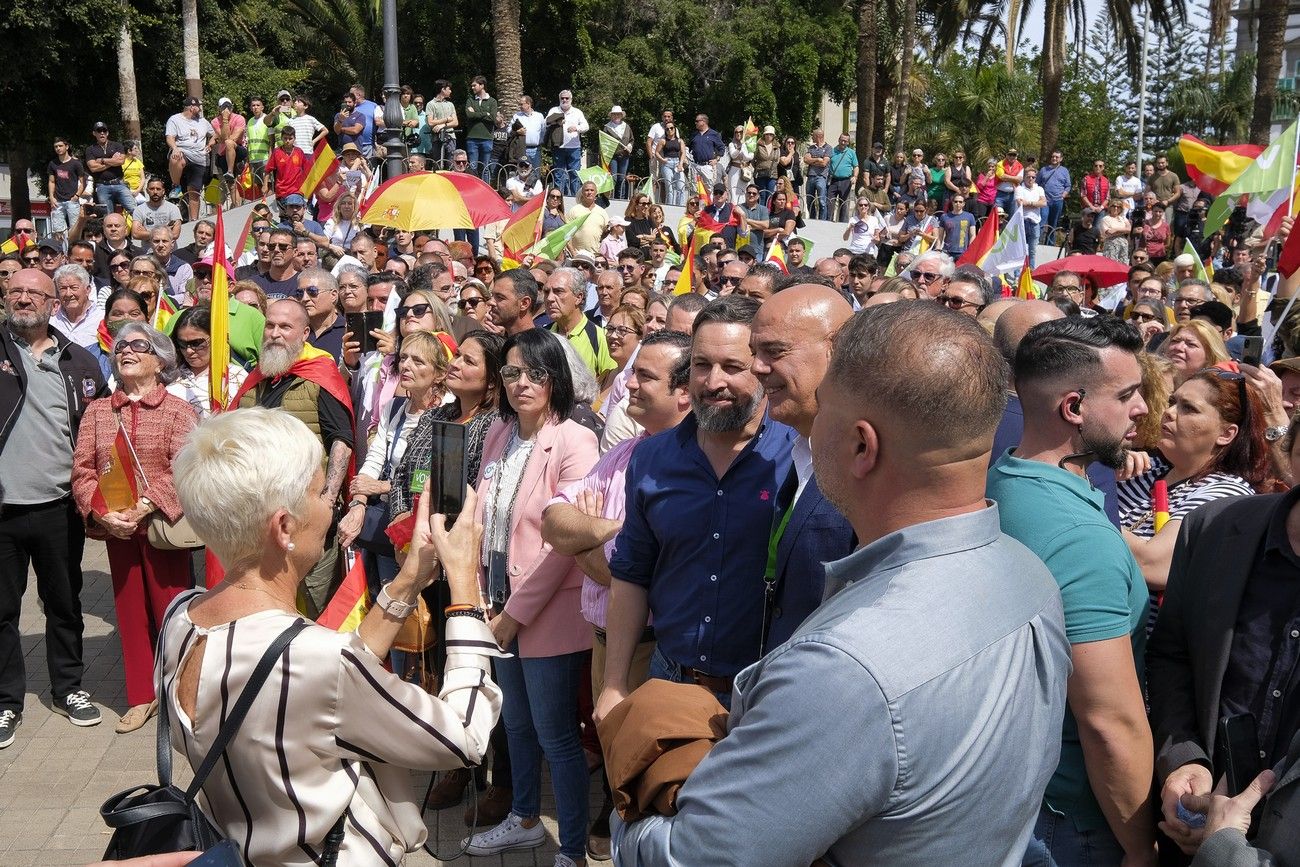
column 349, row 604
column 686, row 280
column 324, row 163
column 1025, row 290
column 776, row 256
column 117, row 489
column 219, row 363
column 524, row 228
column 702, row 191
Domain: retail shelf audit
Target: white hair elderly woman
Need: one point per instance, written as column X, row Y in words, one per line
column 332, row 732
column 121, row 480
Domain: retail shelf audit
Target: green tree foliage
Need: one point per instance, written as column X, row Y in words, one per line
column 979, row 110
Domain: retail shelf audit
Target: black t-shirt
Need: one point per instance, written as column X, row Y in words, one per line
column 638, row 228
column 112, row 174
column 277, row 289
column 335, row 424
column 1085, row 239
column 66, row 176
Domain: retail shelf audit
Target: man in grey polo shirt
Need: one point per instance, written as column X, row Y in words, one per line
column 914, row 718
column 45, row 383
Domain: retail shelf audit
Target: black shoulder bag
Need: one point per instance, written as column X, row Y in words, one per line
column 152, row 820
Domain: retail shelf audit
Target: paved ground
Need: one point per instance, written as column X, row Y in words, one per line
column 55, row 775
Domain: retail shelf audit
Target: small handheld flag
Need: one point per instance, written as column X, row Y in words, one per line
column 1160, row 504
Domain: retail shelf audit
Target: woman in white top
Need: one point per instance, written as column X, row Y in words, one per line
column 342, row 225
column 192, row 337
column 332, row 732
column 864, row 227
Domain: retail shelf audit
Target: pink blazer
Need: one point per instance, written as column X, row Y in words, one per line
column 545, row 587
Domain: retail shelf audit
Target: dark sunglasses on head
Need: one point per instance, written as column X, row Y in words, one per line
column 416, row 310
column 138, row 345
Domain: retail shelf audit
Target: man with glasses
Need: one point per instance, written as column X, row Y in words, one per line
column 115, row 242
column 534, row 126
column 969, row 291
column 1067, row 285
column 46, row 381
column 281, row 278
column 1094, row 190
column 567, row 143
column 1191, row 293
column 293, row 216
column 104, row 161
column 631, row 268
column 732, row 275
column 566, row 289
column 931, row 272
column 320, row 294
column 77, row 318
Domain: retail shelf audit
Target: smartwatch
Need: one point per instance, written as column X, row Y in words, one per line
column 391, row 606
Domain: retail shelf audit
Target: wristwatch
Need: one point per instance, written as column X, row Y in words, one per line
column 148, row 504
column 1273, row 434
column 391, row 606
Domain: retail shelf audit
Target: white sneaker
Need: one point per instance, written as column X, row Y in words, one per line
column 562, row 860
column 509, row 835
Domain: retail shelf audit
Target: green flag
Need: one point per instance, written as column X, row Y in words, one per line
column 672, row 258
column 648, row 189
column 554, row 242
column 1271, row 171
column 603, row 180
column 608, row 146
column 1200, row 266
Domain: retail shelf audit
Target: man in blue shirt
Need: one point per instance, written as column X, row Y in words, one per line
column 702, row 500
column 369, row 111
column 844, row 179
column 706, row 147
column 1080, row 385
column 1054, row 178
column 959, row 227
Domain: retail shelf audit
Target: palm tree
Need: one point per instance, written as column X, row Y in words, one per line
column 1270, row 24
column 126, row 77
column 190, row 47
column 348, row 35
column 905, row 72
column 506, row 46
column 1216, row 107
column 865, row 76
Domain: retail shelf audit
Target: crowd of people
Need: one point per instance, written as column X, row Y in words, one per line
column 779, row 485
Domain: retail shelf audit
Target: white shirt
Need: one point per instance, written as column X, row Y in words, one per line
column 801, row 454
column 522, row 189
column 83, row 332
column 306, row 127
column 534, row 126
column 1126, row 187
column 1027, row 198
column 572, row 118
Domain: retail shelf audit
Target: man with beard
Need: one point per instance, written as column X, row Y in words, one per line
column 45, row 383
column 701, row 501
column 512, row 306
column 1079, row 384
column 305, row 382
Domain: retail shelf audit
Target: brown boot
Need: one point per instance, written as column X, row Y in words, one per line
column 492, row 808
column 448, row 791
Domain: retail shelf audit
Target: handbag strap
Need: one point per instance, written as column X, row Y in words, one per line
column 163, row 744
column 254, row 685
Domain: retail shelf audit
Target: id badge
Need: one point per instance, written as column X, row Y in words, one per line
column 498, row 579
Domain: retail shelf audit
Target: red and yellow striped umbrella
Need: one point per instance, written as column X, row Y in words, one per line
column 434, row 200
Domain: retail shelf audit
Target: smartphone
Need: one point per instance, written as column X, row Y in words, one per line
column 1252, row 350
column 224, row 854
column 448, row 470
column 361, row 324
column 1237, row 751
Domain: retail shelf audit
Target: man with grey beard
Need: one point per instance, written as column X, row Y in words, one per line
column 45, row 383
column 702, row 502
column 305, row 382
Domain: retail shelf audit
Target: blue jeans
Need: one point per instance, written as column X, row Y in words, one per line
column 1031, row 241
column 1052, row 216
column 618, row 168
column 567, row 163
column 539, row 706
column 665, row 669
column 766, row 187
column 470, row 235
column 108, row 194
column 63, row 216
column 534, row 159
column 816, row 191
column 1006, row 200
column 1057, row 843
column 674, row 180
column 479, row 151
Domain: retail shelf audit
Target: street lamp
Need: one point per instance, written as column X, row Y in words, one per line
column 395, row 162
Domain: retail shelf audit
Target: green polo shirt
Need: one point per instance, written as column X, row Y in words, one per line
column 246, row 327
column 1061, row 517
column 588, row 340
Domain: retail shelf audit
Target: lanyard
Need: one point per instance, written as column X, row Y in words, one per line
column 769, row 575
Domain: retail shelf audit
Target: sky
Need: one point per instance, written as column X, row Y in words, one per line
column 1033, row 30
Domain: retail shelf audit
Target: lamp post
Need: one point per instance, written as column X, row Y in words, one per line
column 395, row 162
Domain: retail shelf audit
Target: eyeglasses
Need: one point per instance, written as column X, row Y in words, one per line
column 1240, row 379
column 50, row 254
column 461, row 162
column 731, row 280
column 619, row 331
column 119, row 265
column 952, row 302
column 16, row 292
column 601, row 264
column 1143, row 317
column 139, row 345
column 627, row 269
column 312, row 291
column 280, row 246
column 143, row 272
column 1071, row 290
column 23, row 230
column 586, row 266
column 925, row 276
column 1186, row 301
column 554, row 198
column 466, row 303
column 31, row 261
column 194, row 345
column 416, row 310
column 483, row 269
column 536, row 375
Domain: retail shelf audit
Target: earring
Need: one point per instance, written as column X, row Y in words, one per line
column 290, row 546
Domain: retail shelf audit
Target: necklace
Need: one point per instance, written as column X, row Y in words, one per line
column 266, row 592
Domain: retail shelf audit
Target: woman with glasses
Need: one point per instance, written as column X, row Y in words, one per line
column 766, row 155
column 1193, row 346
column 623, row 332
column 1113, row 231
column 485, row 270
column 119, row 269
column 471, row 308
column 670, row 151
column 686, row 225
column 118, row 495
column 1211, row 446
column 788, row 167
column 957, row 177
column 986, row 191
column 192, row 337
column 936, row 187
column 121, row 306
column 864, row 228
column 342, row 226
column 532, row 453
column 352, row 288
column 640, row 228
column 1149, row 317
column 553, row 213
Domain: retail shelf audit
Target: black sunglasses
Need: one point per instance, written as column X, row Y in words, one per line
column 1242, row 400
column 138, row 345
column 193, row 345
column 416, row 310
column 466, row 303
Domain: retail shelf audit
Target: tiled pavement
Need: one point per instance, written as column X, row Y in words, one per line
column 55, row 775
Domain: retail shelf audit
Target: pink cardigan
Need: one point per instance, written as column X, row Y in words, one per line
column 545, row 587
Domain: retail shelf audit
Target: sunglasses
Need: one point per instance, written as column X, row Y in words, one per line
column 536, row 375
column 952, row 302
column 461, row 162
column 466, row 303
column 627, row 268
column 1143, row 317
column 280, row 246
column 925, row 276
column 312, row 291
column 32, row 261
column 601, row 265
column 729, row 281
column 143, row 272
column 24, row 231
column 416, row 310
column 117, row 265
column 1240, row 379
column 193, row 345
column 139, row 345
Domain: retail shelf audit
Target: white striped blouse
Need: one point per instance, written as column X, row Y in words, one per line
column 331, row 733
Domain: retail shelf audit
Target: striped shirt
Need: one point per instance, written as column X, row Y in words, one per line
column 331, row 733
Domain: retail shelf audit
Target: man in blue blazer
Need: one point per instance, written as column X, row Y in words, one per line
column 791, row 340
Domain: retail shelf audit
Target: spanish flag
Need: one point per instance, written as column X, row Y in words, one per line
column 1159, row 504
column 164, row 312
column 702, row 191
column 105, row 339
column 524, row 228
column 323, row 164
column 1025, row 290
column 982, row 243
column 219, row 310
column 1214, row 167
column 685, row 282
column 777, row 257
column 117, row 489
column 349, row 604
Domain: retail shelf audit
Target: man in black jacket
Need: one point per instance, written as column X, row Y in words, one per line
column 45, row 383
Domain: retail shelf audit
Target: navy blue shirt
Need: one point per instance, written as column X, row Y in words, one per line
column 698, row 544
column 707, row 145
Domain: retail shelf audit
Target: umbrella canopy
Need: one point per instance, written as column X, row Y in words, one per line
column 434, row 200
column 1102, row 271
